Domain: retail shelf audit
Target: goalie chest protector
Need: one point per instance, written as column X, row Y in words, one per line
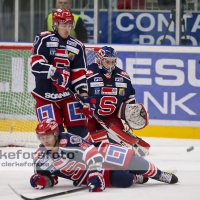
column 110, row 93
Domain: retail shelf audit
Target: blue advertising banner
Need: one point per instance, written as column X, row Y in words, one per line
column 167, row 83
column 142, row 27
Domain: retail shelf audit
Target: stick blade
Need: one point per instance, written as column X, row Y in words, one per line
column 23, row 197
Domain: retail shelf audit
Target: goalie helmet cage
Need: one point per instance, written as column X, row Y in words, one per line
column 17, row 106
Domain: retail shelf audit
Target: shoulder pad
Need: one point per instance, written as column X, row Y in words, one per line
column 79, row 42
column 123, row 73
column 89, row 73
column 45, row 33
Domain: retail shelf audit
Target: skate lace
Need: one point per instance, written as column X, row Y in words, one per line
column 165, row 177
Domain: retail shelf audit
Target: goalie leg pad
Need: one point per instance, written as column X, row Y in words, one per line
column 140, row 147
column 100, row 135
column 123, row 135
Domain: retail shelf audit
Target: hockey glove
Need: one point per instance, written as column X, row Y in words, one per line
column 88, row 109
column 61, row 78
column 40, row 182
column 95, row 179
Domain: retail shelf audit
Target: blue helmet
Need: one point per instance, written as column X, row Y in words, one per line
column 106, row 53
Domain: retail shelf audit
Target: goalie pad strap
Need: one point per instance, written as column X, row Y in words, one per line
column 100, row 135
column 143, row 144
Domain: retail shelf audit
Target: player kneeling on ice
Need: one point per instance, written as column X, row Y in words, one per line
column 98, row 165
column 115, row 100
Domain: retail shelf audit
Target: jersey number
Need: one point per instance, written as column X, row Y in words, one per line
column 107, row 105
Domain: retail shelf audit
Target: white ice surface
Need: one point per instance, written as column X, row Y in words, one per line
column 165, row 154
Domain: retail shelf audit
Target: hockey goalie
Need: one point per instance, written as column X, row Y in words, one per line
column 115, row 102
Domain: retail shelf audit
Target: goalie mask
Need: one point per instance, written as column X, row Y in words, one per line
column 106, row 58
column 62, row 16
column 47, row 126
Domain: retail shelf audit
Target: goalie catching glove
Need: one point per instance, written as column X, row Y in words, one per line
column 40, row 182
column 135, row 115
column 60, row 78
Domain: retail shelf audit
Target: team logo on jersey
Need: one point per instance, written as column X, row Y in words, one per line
column 97, row 91
column 96, row 84
column 123, row 85
column 52, row 51
column 72, row 49
column 75, row 140
column 119, row 79
column 89, row 73
column 74, row 44
column 52, row 44
column 63, row 142
column 121, row 91
column 98, row 79
column 54, row 39
column 124, row 74
column 71, row 56
column 109, row 91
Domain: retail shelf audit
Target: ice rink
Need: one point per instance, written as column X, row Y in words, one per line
column 166, row 154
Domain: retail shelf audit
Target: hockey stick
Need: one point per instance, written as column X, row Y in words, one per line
column 112, row 134
column 50, row 195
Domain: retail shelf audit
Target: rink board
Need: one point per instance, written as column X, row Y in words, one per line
column 149, row 131
column 166, row 80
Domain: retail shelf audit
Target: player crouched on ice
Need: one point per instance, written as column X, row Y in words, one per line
column 71, row 157
column 115, row 101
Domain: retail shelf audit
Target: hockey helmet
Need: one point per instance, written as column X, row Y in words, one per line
column 47, row 126
column 62, row 16
column 106, row 53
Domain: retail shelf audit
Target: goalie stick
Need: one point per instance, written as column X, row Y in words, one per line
column 141, row 151
column 50, row 195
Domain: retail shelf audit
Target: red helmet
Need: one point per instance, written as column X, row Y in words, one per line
column 47, row 126
column 63, row 16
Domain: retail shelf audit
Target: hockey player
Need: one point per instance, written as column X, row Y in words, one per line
column 115, row 98
column 69, row 156
column 58, row 61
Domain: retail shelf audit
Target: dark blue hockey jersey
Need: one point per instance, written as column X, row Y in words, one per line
column 50, row 51
column 109, row 93
column 70, row 161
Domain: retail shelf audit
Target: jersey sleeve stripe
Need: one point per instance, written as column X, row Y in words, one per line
column 92, row 155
